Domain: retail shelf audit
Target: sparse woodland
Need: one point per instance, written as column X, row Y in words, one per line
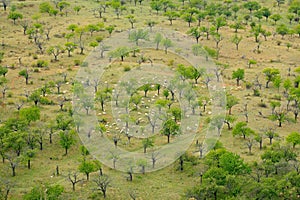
column 255, row 46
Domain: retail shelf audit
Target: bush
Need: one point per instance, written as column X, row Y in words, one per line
column 127, row 68
column 248, row 85
column 262, row 105
column 45, row 101
column 256, row 92
column 77, row 62
column 41, row 64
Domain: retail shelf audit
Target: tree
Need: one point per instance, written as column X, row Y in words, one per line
column 158, row 38
column 170, row 127
column 282, row 30
column 147, row 143
column 297, row 29
column 45, row 7
column 62, row 5
column 167, row 43
column 102, row 183
column 92, row 28
column 131, row 20
column 265, row 12
column 279, row 116
column 251, row 6
column 14, row 16
column 236, row 40
column 146, row 87
column 30, row 114
column 77, row 9
column 102, row 96
column 120, row 52
column 86, row 167
column 25, row 74
column 270, row 74
column 28, row 155
column 241, row 129
column 137, row 35
column 293, row 138
column 239, row 75
column 189, row 18
column 110, row 29
column 55, row 51
column 172, row 15
column 230, row 102
column 195, row 32
column 35, row 97
column 217, row 122
column 219, row 23
column 67, row 139
column 3, row 71
column 70, row 46
column 156, row 5
column 136, row 100
column 74, row 179
column 275, row 17
column 233, row 164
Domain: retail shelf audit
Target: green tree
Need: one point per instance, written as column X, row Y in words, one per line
column 167, row 43
column 195, row 32
column 171, row 15
column 77, row 9
column 270, row 74
column 241, row 129
column 252, row 6
column 110, row 29
column 25, row 74
column 120, row 52
column 62, row 5
column 239, row 75
column 70, row 47
column 137, row 35
column 86, row 167
column 35, row 97
column 158, row 38
column 30, row 114
column 233, row 164
column 131, row 20
column 282, row 30
column 14, row 16
column 230, row 102
column 147, row 143
column 275, row 17
column 55, row 51
column 67, row 139
column 3, row 71
column 293, row 138
column 266, row 12
column 219, row 23
column 170, row 128
column 45, row 7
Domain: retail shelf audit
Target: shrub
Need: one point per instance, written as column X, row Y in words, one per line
column 127, row 68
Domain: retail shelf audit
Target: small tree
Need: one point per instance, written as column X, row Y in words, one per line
column 241, row 129
column 167, row 43
column 25, row 74
column 171, row 15
column 102, row 183
column 236, row 40
column 86, row 167
column 170, row 127
column 14, row 16
column 55, row 51
column 67, row 139
column 239, row 75
column 74, row 179
column 293, row 138
column 270, row 74
column 230, row 102
column 137, row 35
column 120, row 52
column 275, row 17
column 147, row 143
column 70, row 46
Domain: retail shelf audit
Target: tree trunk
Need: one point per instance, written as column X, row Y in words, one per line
column 28, row 164
column 13, row 170
column 66, row 151
column 73, row 186
column 87, row 176
column 168, row 138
